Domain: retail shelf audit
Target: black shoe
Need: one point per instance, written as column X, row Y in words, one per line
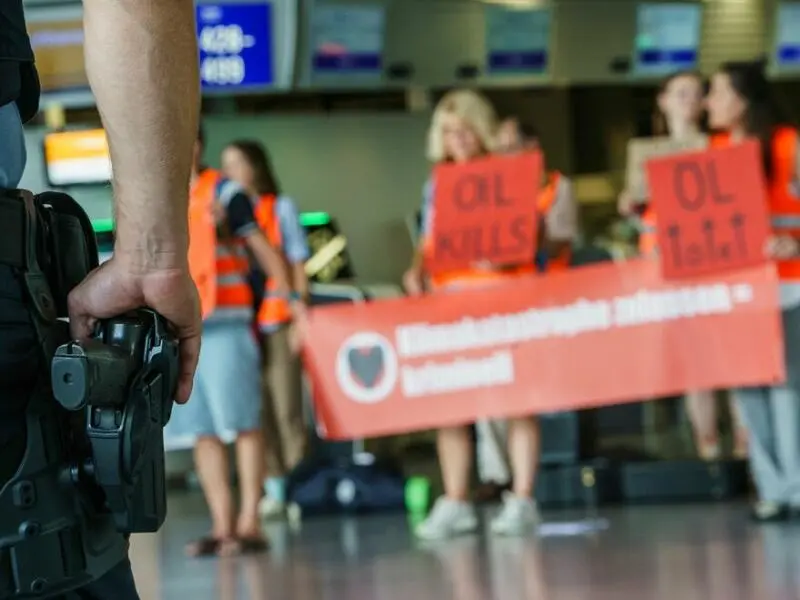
column 770, row 512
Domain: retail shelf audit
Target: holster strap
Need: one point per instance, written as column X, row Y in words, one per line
column 13, row 220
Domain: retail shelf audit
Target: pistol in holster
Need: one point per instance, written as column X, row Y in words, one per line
column 93, row 468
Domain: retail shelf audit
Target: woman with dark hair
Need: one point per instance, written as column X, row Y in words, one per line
column 741, row 106
column 679, row 115
column 281, row 319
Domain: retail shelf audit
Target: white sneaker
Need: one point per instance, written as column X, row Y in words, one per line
column 448, row 518
column 271, row 509
column 518, row 516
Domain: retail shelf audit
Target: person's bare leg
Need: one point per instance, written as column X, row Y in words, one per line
column 740, row 438
column 702, row 409
column 213, row 470
column 454, row 445
column 523, row 450
column 250, row 467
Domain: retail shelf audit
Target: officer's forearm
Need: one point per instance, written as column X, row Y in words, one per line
column 141, row 58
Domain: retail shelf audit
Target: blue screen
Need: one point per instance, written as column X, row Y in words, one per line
column 347, row 39
column 667, row 38
column 235, row 42
column 788, row 36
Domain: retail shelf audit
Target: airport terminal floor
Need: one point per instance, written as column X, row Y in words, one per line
column 690, row 552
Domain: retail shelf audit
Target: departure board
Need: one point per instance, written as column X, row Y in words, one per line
column 667, row 38
column 517, row 39
column 347, row 39
column 236, row 46
column 787, row 36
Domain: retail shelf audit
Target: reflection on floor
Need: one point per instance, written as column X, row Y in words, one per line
column 673, row 553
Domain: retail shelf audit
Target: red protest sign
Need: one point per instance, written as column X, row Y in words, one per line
column 712, row 210
column 485, row 211
column 589, row 337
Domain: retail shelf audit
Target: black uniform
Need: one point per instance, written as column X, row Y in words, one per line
column 21, row 359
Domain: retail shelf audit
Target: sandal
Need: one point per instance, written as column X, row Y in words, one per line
column 207, row 546
column 252, row 545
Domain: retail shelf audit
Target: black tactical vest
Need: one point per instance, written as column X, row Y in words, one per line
column 18, row 79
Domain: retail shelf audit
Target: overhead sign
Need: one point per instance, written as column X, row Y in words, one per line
column 347, row 39
column 517, row 39
column 787, row 35
column 667, row 38
column 58, row 49
column 236, row 45
column 485, row 211
column 540, row 344
column 78, row 157
column 712, row 210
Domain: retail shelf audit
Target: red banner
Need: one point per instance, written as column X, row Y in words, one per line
column 594, row 336
column 712, row 210
column 485, row 211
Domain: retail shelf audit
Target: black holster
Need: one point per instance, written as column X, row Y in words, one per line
column 52, row 537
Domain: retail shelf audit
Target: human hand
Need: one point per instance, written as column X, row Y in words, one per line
column 781, row 247
column 485, row 265
column 625, row 203
column 116, row 288
column 218, row 210
column 412, row 282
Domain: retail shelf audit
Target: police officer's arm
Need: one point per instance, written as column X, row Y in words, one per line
column 243, row 224
column 141, row 59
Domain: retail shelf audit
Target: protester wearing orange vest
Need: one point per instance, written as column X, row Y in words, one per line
column 281, row 320
column 559, row 232
column 464, row 127
column 679, row 115
column 225, row 404
column 740, row 104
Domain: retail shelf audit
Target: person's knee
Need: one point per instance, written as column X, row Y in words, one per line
column 254, row 435
column 205, row 440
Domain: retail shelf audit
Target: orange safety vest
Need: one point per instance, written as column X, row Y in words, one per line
column 275, row 309
column 547, row 198
column 470, row 277
column 218, row 267
column 784, row 207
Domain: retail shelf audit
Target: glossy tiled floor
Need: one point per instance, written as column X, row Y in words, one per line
column 677, row 553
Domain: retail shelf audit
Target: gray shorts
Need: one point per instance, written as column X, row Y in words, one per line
column 12, row 147
column 226, row 399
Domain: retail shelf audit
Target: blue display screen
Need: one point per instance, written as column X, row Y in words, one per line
column 517, row 39
column 787, row 36
column 236, row 45
column 347, row 39
column 667, row 38
column 532, row 60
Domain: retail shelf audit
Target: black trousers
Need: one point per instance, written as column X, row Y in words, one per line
column 20, row 365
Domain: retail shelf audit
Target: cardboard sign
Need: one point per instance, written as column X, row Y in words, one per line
column 484, row 211
column 641, row 150
column 593, row 336
column 712, row 210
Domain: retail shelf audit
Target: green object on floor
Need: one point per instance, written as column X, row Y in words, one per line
column 418, row 495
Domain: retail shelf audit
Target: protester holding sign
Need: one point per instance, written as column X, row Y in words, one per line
column 281, row 319
column 740, row 104
column 679, row 120
column 464, row 129
column 558, row 231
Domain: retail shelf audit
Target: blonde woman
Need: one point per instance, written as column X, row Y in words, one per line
column 464, row 128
